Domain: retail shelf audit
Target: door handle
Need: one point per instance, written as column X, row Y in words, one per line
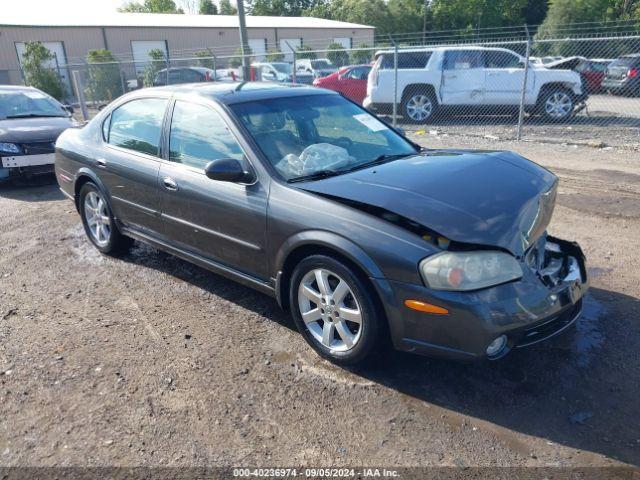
column 101, row 163
column 170, row 184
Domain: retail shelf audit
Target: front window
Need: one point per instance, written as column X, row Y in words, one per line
column 29, row 103
column 500, row 59
column 308, row 135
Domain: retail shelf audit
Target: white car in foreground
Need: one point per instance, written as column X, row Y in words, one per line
column 469, row 79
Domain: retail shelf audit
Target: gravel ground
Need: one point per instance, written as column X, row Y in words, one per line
column 146, row 360
column 604, row 114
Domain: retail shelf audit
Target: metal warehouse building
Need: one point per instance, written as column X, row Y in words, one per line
column 129, row 36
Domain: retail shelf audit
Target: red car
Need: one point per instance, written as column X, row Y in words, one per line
column 350, row 81
column 593, row 72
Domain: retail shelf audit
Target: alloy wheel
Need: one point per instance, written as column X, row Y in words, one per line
column 330, row 310
column 558, row 105
column 97, row 217
column 419, row 107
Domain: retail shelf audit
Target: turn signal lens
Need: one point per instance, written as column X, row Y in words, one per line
column 425, row 307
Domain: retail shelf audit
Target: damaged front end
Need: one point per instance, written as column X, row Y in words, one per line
column 560, row 266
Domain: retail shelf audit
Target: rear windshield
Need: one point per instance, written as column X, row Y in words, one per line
column 625, row 62
column 406, row 60
column 320, row 64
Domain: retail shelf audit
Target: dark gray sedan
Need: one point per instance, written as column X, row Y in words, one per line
column 30, row 122
column 303, row 195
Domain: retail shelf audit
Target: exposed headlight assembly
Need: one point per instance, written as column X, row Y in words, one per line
column 462, row 271
column 9, row 148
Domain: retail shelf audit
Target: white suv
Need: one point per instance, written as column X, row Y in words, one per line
column 469, row 79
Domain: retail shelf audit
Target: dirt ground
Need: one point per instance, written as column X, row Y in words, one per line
column 146, row 360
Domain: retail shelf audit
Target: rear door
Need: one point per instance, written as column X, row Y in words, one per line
column 504, row 74
column 222, row 221
column 130, row 162
column 462, row 78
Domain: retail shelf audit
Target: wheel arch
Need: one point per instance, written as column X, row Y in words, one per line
column 548, row 86
column 83, row 176
column 309, row 243
column 420, row 87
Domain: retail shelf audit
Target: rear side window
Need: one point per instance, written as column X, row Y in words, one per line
column 406, row 60
column 199, row 135
column 137, row 124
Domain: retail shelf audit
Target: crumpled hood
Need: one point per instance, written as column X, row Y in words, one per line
column 30, row 130
column 488, row 198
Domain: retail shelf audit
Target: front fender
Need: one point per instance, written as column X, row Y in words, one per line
column 346, row 248
column 330, row 240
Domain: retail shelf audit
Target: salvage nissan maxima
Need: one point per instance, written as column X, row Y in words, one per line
column 364, row 236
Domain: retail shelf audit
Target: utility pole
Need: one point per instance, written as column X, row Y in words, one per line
column 424, row 22
column 244, row 43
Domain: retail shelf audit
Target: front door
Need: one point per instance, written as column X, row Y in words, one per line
column 353, row 83
column 129, row 162
column 222, row 221
column 462, row 78
column 504, row 75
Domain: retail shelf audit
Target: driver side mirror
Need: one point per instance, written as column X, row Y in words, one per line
column 68, row 108
column 227, row 170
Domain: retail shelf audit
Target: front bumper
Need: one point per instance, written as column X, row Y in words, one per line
column 19, row 165
column 527, row 311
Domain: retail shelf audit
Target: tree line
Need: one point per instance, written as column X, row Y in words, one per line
column 396, row 17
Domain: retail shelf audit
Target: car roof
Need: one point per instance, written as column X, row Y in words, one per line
column 440, row 49
column 199, row 69
column 17, row 88
column 237, row 92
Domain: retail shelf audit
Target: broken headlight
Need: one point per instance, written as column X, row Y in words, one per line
column 463, row 271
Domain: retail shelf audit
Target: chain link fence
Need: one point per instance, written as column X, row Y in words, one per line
column 575, row 91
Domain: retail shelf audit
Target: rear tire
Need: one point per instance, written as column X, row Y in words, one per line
column 98, row 221
column 335, row 311
column 419, row 106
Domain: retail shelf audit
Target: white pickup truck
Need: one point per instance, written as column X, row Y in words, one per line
column 471, row 80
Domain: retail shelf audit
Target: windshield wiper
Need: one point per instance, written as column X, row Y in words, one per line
column 319, row 175
column 35, row 115
column 379, row 160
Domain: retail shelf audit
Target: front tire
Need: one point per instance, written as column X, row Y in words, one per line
column 557, row 104
column 335, row 311
column 98, row 221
